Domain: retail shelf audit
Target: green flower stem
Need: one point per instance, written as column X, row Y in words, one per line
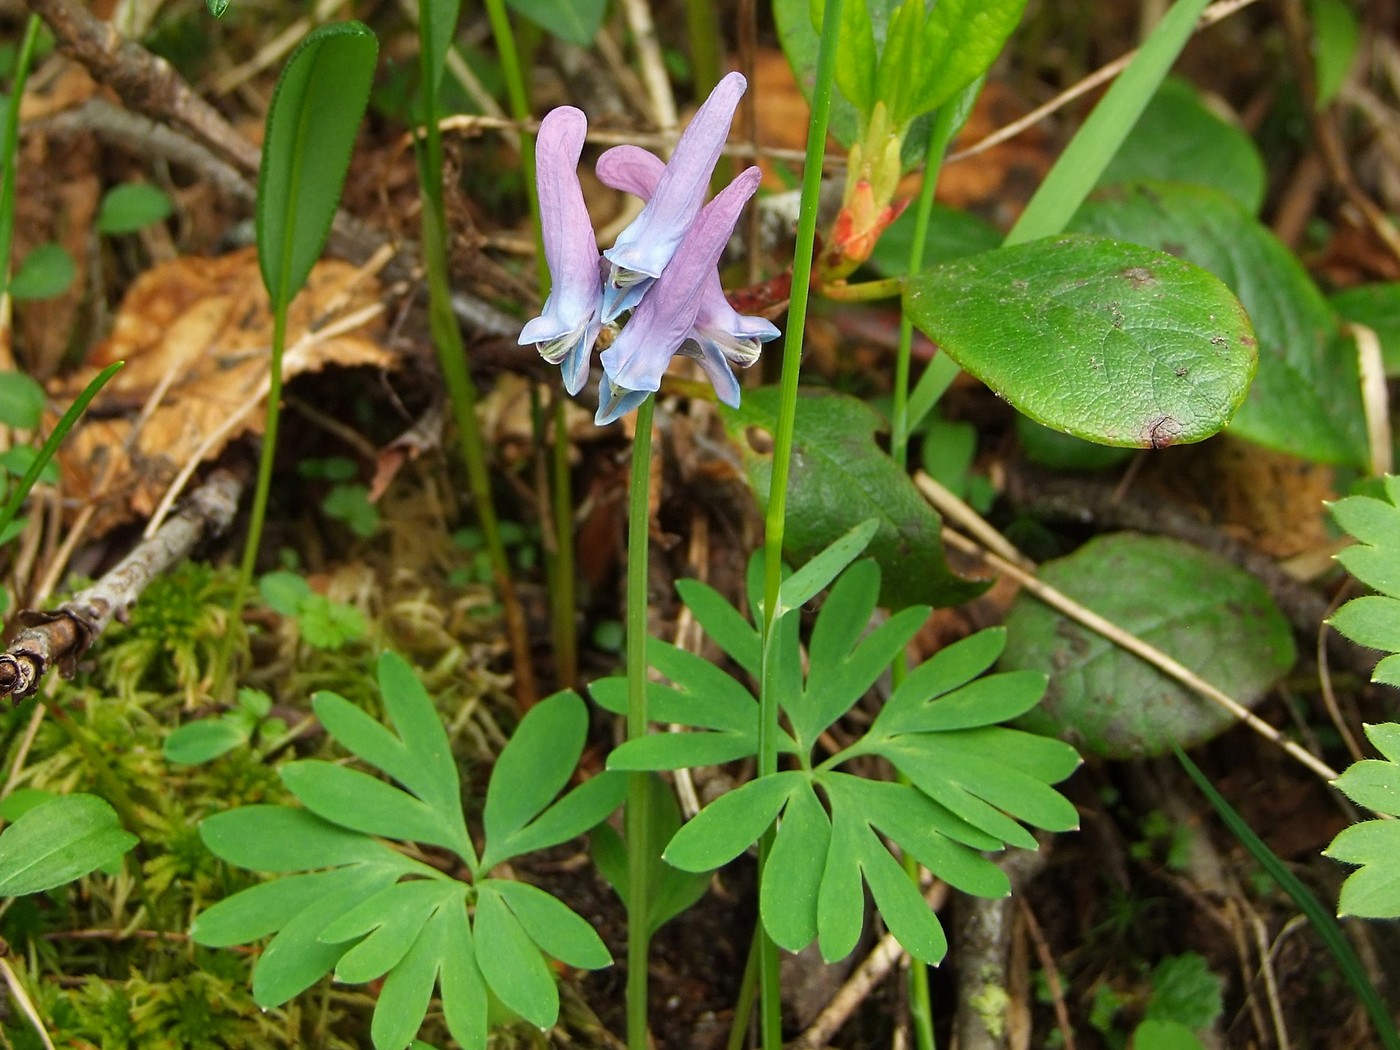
column 782, row 461
column 461, row 389
column 263, row 489
column 638, row 788
column 9, row 147
column 561, row 594
column 748, row 985
column 920, row 1002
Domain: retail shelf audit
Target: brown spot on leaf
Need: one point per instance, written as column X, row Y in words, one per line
column 1139, row 276
column 1161, row 432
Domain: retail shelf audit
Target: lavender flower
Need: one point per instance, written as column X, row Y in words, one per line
column 643, row 249
column 668, row 312
column 720, row 336
column 567, row 327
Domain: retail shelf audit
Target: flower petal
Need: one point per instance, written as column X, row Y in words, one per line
column 644, row 248
column 614, row 402
column 664, row 318
column 570, row 321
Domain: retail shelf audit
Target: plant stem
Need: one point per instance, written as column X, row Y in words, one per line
column 461, row 389
column 262, row 489
column 771, row 1006
column 638, row 788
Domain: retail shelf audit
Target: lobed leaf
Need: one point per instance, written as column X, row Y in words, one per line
column 516, row 972
column 901, row 905
column 280, row 838
column 368, row 805
column 582, row 809
column 1373, row 890
column 387, row 924
column 824, row 566
column 535, row 765
column 554, row 927
column 464, row 1000
column 431, row 771
column 788, row 896
column 408, row 988
column 731, row 823
column 264, row 909
column 840, row 899
column 723, row 623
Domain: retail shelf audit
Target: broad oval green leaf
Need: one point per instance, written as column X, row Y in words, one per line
column 60, row 840
column 132, row 206
column 46, row 271
column 1306, row 397
column 22, row 400
column 1210, row 615
column 1180, row 139
column 839, row 476
column 1372, row 891
column 195, row 743
column 960, row 40
column 1107, row 341
column 1377, row 306
column 311, row 124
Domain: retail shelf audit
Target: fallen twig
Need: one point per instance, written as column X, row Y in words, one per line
column 60, row 636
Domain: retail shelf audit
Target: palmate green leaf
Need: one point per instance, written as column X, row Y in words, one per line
column 840, row 475
column 1306, row 397
column 732, row 822
column 906, row 913
column 430, row 771
column 1110, row 342
column 513, row 966
column 823, row 567
column 581, row 810
column 670, row 891
column 279, row 838
column 555, row 928
column 536, row 764
column 1207, row 613
column 464, row 1000
column 59, row 840
column 261, row 910
column 388, row 923
column 296, row 958
column 366, row 804
column 408, row 989
column 311, row 125
column 788, row 899
column 724, row 624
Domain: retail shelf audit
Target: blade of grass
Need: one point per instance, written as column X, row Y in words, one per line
column 1322, row 921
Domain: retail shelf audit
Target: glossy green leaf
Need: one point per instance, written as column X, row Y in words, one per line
column 535, row 765
column 788, row 897
column 1180, row 139
column 264, row 909
column 1306, row 397
column 22, row 400
column 731, row 823
column 1079, row 166
column 840, row 475
column 1212, row 616
column 906, row 913
column 583, row 808
column 132, row 206
column 555, row 928
column 1377, row 306
column 311, row 125
column 386, row 925
column 959, row 41
column 408, row 989
column 366, row 804
column 670, row 891
column 297, row 958
column 59, row 840
column 1107, row 341
column 1336, row 42
column 724, row 624
column 512, row 965
column 279, row 838
column 45, row 272
column 575, row 21
column 195, row 743
column 816, row 575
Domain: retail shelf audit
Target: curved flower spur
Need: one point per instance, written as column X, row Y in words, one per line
column 663, row 266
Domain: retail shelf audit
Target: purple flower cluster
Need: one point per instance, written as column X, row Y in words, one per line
column 663, row 267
